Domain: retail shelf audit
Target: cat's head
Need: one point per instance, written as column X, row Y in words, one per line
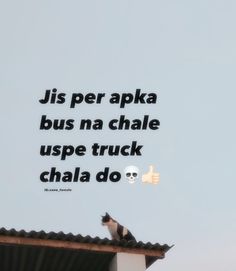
column 106, row 219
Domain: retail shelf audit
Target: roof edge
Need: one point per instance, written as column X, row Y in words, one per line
column 14, row 240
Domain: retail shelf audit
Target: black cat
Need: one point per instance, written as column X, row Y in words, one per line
column 117, row 231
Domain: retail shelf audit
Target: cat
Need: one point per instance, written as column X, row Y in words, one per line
column 117, row 231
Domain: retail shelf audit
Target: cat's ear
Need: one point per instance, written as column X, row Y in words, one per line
column 107, row 214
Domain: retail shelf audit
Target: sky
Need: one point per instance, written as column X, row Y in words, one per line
column 182, row 50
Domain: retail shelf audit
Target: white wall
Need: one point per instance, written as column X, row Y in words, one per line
column 128, row 262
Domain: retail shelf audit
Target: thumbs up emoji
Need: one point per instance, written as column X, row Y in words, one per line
column 151, row 176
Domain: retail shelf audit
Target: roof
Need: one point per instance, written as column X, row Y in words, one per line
column 29, row 251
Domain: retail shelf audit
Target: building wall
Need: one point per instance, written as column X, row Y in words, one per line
column 128, row 262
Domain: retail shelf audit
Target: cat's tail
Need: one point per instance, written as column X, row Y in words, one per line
column 129, row 237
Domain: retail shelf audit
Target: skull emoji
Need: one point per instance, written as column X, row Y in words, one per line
column 131, row 173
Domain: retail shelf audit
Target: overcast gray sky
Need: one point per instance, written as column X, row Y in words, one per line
column 182, row 50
